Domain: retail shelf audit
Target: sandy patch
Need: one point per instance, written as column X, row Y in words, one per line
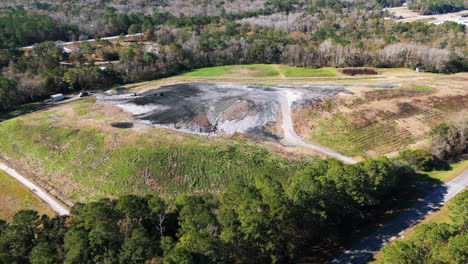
column 414, row 125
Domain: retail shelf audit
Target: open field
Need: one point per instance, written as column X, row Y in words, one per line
column 14, row 197
column 261, row 70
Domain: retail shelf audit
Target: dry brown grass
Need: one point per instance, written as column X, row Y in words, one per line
column 15, row 197
column 384, row 121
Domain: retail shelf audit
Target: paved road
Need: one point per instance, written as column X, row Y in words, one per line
column 43, row 195
column 373, row 243
column 287, row 97
column 88, row 40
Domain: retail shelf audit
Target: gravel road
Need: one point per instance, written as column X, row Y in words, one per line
column 43, row 195
column 287, row 97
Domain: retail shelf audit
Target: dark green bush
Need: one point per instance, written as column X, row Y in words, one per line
column 419, row 159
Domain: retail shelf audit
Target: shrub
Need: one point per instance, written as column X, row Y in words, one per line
column 419, row 159
column 449, row 141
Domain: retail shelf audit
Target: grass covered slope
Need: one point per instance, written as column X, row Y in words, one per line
column 75, row 149
column 378, row 121
column 260, row 71
column 15, row 197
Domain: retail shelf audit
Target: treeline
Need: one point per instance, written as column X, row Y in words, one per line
column 106, row 18
column 431, row 7
column 261, row 222
column 434, row 242
column 21, row 28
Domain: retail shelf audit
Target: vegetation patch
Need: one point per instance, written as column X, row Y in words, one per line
column 359, row 71
column 447, row 175
column 341, row 133
column 381, row 94
column 289, row 71
column 420, row 88
column 15, row 197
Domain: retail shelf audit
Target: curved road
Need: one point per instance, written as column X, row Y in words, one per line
column 43, row 195
column 373, row 243
column 88, row 40
column 287, row 98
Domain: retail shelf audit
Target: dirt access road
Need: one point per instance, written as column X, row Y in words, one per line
column 287, row 98
column 36, row 190
column 373, row 243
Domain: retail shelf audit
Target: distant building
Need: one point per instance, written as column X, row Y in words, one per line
column 419, row 69
column 57, row 97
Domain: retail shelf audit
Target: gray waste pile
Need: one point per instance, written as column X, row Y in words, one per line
column 214, row 109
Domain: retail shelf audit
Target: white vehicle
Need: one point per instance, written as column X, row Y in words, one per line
column 57, row 97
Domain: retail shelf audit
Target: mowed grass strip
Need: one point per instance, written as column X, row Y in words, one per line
column 289, row 71
column 260, row 71
column 15, row 197
column 253, row 70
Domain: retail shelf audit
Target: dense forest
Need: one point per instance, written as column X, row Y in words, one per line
column 312, row 33
column 20, row 28
column 261, row 222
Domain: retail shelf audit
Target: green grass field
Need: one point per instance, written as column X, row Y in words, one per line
column 261, row 71
column 289, row 71
column 88, row 163
column 14, row 197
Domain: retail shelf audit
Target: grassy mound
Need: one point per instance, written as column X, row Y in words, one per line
column 97, row 161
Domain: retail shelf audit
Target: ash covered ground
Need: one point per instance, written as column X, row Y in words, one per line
column 216, row 109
